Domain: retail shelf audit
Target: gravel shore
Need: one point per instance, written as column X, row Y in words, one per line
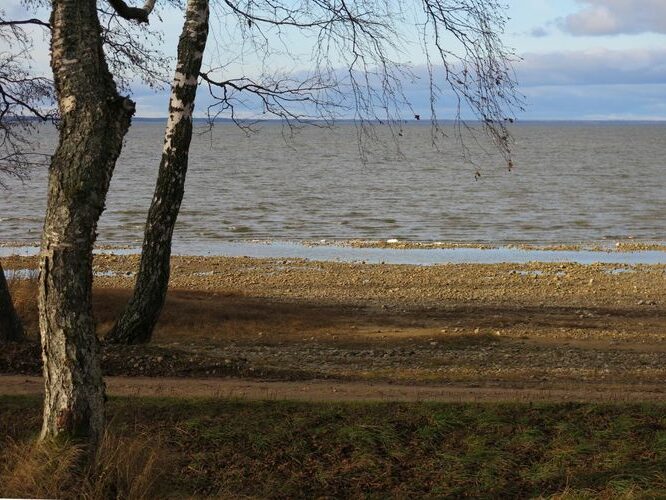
column 545, row 326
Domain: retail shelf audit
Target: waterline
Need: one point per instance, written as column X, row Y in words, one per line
column 410, row 256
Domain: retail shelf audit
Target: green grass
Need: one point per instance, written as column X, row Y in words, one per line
column 288, row 449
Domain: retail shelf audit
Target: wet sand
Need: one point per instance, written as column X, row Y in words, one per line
column 619, row 246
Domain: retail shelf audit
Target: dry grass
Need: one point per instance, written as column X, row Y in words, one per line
column 227, row 448
column 128, row 468
column 619, row 491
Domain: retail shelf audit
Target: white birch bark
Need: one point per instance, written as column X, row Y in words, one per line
column 138, row 321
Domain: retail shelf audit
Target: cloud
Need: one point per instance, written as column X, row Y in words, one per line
column 597, row 66
column 597, row 102
column 539, row 32
column 595, row 84
column 598, row 84
column 615, row 17
column 593, row 67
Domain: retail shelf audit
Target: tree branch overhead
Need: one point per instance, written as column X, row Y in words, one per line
column 140, row 14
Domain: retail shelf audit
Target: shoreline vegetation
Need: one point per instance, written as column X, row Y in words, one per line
column 541, row 380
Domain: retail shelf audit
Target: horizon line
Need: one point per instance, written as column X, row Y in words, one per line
column 425, row 121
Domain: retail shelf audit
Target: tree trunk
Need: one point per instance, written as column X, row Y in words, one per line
column 11, row 329
column 95, row 119
column 138, row 321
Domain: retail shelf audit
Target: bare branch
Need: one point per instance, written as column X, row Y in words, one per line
column 357, row 51
column 480, row 72
column 38, row 22
column 139, row 14
column 25, row 100
column 284, row 98
column 133, row 51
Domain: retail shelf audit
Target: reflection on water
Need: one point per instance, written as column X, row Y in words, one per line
column 572, row 183
column 421, row 256
column 33, row 274
column 21, row 274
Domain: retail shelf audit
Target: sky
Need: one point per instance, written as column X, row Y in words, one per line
column 591, row 59
column 580, row 59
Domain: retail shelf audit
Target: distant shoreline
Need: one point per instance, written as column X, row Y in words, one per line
column 423, row 122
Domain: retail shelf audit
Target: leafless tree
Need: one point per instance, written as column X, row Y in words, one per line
column 89, row 110
column 354, row 67
column 140, row 317
column 93, row 121
column 26, row 100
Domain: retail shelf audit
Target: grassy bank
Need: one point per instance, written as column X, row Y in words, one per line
column 235, row 448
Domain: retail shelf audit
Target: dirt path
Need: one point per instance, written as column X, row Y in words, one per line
column 315, row 390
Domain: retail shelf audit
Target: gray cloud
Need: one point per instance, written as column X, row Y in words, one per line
column 539, row 32
column 596, row 102
column 614, row 17
column 595, row 84
column 569, row 85
column 593, row 67
column 578, row 67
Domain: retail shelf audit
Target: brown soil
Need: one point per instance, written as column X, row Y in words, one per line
column 572, row 331
column 321, row 390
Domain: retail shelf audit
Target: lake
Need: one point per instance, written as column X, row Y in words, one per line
column 572, row 182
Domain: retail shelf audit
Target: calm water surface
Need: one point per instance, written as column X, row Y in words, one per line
column 572, row 183
column 410, row 256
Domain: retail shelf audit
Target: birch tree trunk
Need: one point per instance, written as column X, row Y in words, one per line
column 95, row 119
column 11, row 329
column 138, row 321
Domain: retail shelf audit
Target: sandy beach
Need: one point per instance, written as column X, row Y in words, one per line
column 557, row 331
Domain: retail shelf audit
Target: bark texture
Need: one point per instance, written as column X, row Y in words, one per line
column 95, row 119
column 11, row 329
column 138, row 321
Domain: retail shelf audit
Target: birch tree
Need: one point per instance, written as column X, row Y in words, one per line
column 27, row 98
column 354, row 69
column 94, row 52
column 138, row 321
column 362, row 35
column 94, row 119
